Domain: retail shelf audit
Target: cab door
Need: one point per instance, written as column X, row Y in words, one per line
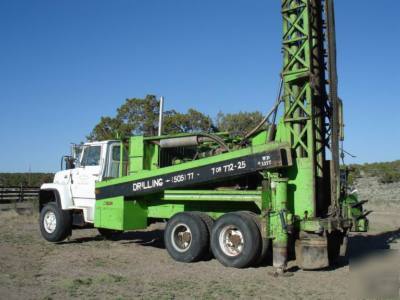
column 85, row 176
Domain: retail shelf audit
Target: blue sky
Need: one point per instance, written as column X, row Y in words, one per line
column 64, row 64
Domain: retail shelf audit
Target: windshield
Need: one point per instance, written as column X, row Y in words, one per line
column 91, row 156
column 76, row 151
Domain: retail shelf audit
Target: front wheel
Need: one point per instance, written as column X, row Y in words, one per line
column 55, row 223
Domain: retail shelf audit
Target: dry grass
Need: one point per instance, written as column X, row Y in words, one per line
column 137, row 265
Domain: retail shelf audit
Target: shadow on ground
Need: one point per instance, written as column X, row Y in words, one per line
column 364, row 245
column 359, row 247
column 152, row 238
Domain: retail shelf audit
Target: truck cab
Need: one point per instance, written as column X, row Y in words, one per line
column 73, row 187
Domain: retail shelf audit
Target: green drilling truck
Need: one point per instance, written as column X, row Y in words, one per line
column 278, row 189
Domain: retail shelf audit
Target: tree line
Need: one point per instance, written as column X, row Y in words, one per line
column 139, row 116
column 25, row 179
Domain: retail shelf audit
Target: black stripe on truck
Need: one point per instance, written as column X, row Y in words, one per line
column 200, row 175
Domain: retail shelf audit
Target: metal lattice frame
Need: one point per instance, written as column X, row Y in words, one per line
column 306, row 105
column 297, row 68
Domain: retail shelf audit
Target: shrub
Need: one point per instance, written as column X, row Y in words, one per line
column 386, row 172
column 389, row 177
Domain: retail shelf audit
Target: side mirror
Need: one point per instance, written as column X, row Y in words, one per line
column 68, row 162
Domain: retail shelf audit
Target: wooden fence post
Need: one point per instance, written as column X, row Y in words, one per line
column 22, row 195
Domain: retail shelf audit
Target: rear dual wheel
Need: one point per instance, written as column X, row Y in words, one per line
column 187, row 237
column 236, row 240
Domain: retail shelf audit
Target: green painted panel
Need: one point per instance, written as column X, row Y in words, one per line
column 136, row 146
column 151, row 156
column 214, row 196
column 165, row 211
column 300, row 188
column 136, row 153
column 115, row 213
column 135, row 215
column 109, row 213
column 260, row 138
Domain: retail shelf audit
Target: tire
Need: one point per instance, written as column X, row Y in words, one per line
column 209, row 223
column 241, row 226
column 55, row 223
column 206, row 219
column 265, row 242
column 186, row 237
column 109, row 234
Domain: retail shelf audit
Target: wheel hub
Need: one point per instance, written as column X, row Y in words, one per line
column 231, row 241
column 50, row 222
column 181, row 237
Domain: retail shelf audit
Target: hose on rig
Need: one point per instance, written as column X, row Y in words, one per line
column 273, row 112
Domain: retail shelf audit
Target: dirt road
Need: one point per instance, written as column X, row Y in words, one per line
column 137, row 266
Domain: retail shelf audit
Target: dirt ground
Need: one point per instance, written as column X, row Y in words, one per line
column 137, row 266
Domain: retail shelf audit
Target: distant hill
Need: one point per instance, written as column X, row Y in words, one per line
column 385, row 172
column 25, row 179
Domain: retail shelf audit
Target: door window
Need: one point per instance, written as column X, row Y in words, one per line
column 114, row 161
